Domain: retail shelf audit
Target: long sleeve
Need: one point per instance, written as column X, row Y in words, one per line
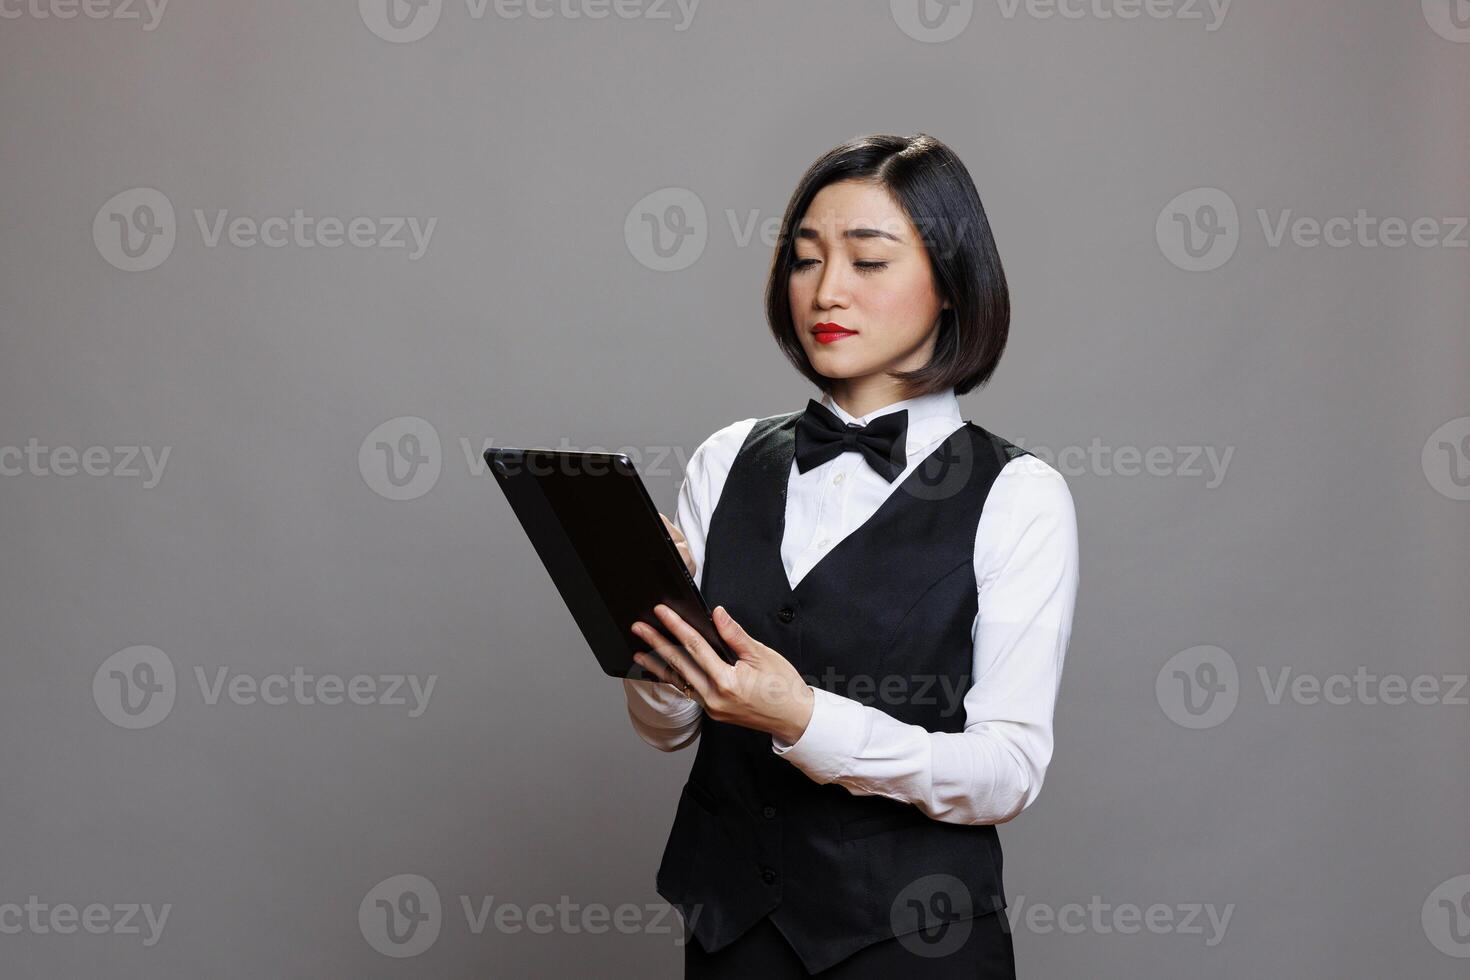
column 661, row 714
column 1026, row 573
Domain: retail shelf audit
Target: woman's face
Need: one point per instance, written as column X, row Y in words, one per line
column 859, row 264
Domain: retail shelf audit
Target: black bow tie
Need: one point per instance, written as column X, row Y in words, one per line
column 821, row 435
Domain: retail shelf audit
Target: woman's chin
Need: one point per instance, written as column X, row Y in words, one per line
column 839, row 364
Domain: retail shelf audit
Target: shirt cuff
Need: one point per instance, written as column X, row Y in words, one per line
column 659, row 704
column 833, row 737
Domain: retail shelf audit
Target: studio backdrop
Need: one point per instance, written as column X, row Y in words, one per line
column 285, row 690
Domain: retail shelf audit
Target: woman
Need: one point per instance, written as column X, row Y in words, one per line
column 898, row 585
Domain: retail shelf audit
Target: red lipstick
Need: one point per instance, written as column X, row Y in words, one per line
column 826, row 333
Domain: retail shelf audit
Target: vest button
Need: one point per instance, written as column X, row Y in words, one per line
column 768, row 875
column 768, row 812
column 785, row 614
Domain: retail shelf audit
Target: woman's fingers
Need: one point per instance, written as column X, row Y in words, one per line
column 675, row 656
column 707, row 662
column 659, row 669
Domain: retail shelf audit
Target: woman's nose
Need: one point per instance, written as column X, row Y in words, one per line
column 832, row 290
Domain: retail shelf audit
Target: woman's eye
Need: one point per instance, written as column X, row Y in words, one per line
column 864, row 267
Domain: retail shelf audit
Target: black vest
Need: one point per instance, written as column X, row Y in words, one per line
column 883, row 618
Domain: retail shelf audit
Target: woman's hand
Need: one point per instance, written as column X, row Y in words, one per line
column 761, row 690
column 681, row 543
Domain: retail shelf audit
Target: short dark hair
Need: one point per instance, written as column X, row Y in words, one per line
column 935, row 191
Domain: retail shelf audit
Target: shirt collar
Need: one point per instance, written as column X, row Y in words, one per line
column 938, row 410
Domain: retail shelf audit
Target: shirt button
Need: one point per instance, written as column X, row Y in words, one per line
column 822, row 543
column 839, row 477
column 768, row 875
column 768, row 812
column 785, row 614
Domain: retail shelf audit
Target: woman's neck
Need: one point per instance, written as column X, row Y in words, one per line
column 861, row 397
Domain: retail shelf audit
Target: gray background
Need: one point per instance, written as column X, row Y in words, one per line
column 1335, row 540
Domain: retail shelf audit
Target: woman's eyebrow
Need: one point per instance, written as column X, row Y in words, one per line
column 812, row 233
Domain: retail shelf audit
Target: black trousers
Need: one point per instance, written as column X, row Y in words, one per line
column 763, row 953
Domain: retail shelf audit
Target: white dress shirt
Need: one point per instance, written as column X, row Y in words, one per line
column 1026, row 576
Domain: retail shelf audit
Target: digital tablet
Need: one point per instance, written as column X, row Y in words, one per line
column 600, row 537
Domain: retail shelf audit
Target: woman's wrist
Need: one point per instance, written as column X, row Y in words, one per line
column 792, row 725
